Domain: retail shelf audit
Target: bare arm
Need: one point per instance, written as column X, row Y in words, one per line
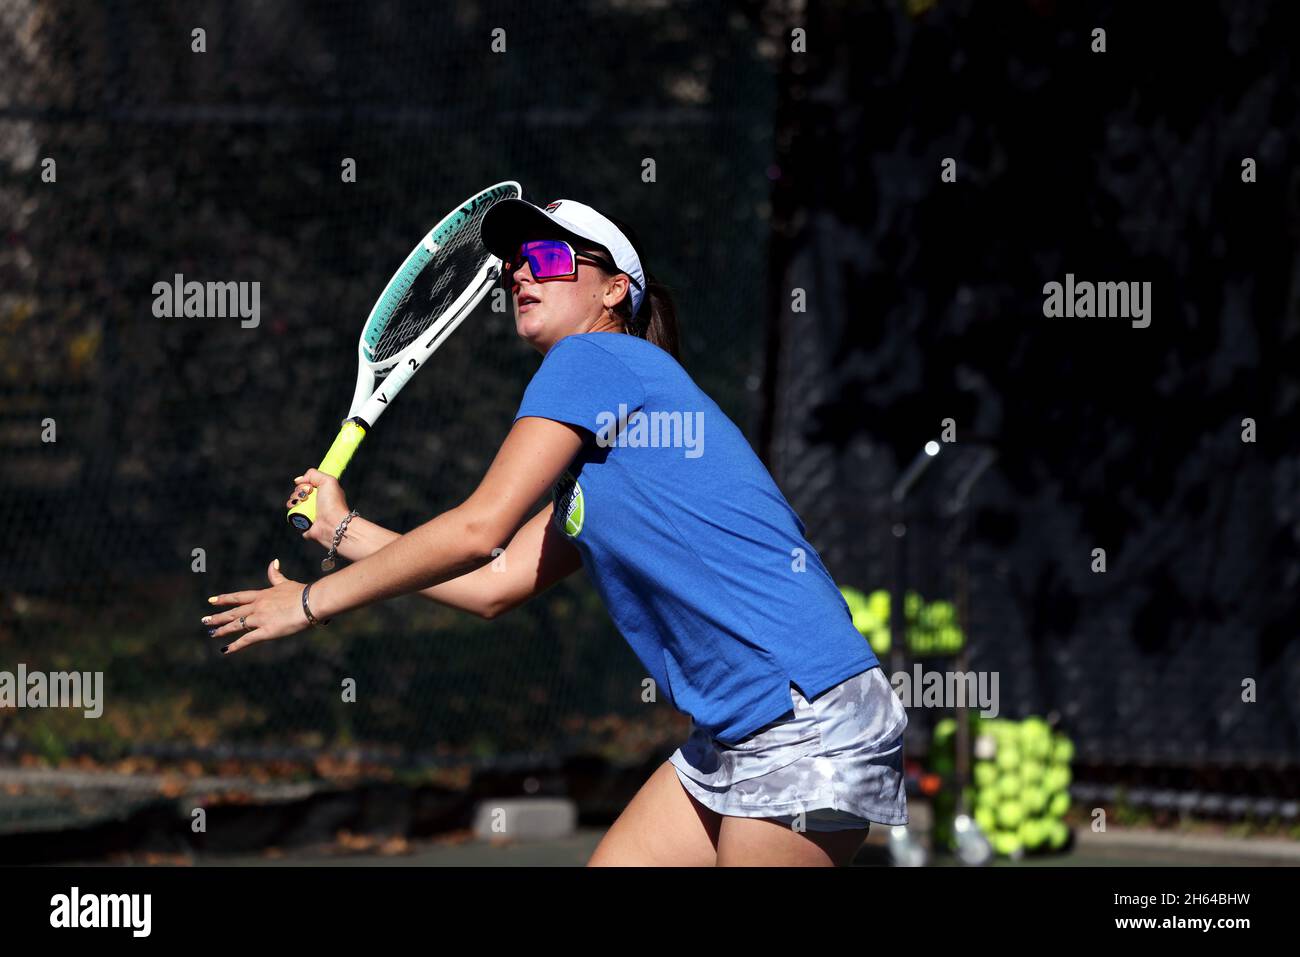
column 537, row 557
column 459, row 541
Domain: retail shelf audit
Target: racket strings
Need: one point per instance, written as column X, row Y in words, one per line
column 435, row 289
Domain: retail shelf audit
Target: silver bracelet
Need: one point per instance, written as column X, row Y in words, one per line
column 328, row 563
column 306, row 608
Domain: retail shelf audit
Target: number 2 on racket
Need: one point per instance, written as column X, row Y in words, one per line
column 429, row 296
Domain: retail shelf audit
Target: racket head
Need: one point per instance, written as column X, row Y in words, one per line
column 432, row 293
column 434, row 283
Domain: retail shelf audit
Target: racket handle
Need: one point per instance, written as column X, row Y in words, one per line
column 302, row 515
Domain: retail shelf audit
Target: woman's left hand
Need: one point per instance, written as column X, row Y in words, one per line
column 261, row 615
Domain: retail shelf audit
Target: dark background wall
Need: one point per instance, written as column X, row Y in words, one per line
column 926, row 302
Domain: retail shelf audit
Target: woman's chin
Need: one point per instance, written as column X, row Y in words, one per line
column 530, row 330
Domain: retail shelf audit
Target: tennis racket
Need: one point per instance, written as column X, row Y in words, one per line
column 433, row 292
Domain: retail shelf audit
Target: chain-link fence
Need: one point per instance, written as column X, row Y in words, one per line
column 146, row 141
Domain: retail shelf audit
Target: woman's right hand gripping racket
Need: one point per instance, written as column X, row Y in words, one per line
column 438, row 286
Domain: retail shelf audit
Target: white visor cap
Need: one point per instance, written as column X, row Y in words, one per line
column 513, row 221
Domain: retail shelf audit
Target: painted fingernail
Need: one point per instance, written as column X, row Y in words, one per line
column 276, row 563
column 212, row 600
column 223, row 648
column 212, row 632
column 205, row 619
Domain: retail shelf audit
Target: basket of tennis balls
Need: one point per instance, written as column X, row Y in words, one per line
column 1020, row 784
column 931, row 626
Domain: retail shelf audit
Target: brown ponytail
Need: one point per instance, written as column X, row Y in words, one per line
column 656, row 320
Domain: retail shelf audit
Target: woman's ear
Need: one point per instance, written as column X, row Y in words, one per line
column 616, row 282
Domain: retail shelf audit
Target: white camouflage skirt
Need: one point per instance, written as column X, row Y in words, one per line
column 837, row 761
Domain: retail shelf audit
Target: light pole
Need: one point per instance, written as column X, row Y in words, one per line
column 904, row 849
column 972, row 846
column 898, row 613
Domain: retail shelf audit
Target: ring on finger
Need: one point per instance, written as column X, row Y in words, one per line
column 241, row 623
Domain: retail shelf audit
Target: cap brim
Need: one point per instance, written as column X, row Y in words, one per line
column 514, row 221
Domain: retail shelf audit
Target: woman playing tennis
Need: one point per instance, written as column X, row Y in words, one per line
column 796, row 742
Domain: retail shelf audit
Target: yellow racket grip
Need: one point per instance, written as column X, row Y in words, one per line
column 302, row 515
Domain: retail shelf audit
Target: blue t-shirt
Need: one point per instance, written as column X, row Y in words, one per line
column 698, row 557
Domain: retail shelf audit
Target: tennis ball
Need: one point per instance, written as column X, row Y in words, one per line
column 986, row 774
column 858, row 608
column 1006, row 843
column 1001, row 729
column 950, row 638
column 1059, row 804
column 1032, row 833
column 1035, row 727
column 880, row 641
column 1057, row 778
column 1008, row 758
column 945, row 729
column 1058, row 834
column 1062, row 750
column 1036, row 750
column 942, row 613
column 925, row 616
column 988, row 797
column 1010, row 785
column 1010, row 814
column 986, row 818
column 911, row 605
column 1036, row 738
column 1032, row 771
column 1046, row 824
column 878, row 602
column 1034, row 799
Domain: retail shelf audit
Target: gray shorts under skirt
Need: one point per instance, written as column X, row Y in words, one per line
column 837, row 761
